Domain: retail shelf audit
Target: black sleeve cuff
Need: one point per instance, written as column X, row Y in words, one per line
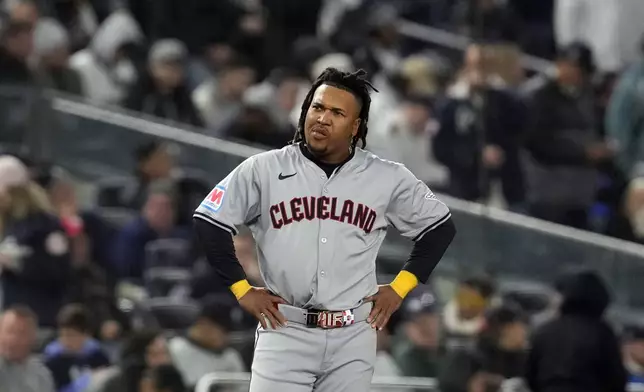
column 217, row 244
column 231, row 229
column 429, row 249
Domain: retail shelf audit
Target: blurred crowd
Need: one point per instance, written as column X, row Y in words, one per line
column 560, row 144
column 117, row 297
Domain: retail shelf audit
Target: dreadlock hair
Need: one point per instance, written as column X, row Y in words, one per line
column 353, row 82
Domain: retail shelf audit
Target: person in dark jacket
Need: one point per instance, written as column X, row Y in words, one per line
column 75, row 352
column 34, row 250
column 162, row 91
column 563, row 142
column 499, row 354
column 15, row 48
column 157, row 221
column 481, row 125
column 51, row 51
column 578, row 350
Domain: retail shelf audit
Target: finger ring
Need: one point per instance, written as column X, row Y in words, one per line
column 262, row 314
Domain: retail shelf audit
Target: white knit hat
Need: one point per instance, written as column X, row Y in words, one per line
column 49, row 36
column 13, row 172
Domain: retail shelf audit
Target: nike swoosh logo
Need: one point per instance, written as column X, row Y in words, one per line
column 284, row 177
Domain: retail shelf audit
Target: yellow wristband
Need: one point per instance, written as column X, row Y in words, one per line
column 240, row 288
column 404, row 282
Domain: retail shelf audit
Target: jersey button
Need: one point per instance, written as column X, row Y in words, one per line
column 322, row 177
column 323, row 240
column 322, row 274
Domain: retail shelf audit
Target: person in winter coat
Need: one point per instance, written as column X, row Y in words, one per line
column 51, row 51
column 34, row 250
column 162, row 91
column 564, row 148
column 578, row 350
column 106, row 67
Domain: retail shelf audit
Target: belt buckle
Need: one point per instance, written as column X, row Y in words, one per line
column 312, row 318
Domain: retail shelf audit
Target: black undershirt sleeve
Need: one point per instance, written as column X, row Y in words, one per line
column 219, row 248
column 429, row 250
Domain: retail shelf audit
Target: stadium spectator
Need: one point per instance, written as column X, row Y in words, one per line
column 163, row 378
column 415, row 345
column 157, row 220
column 19, row 370
column 486, row 20
column 143, row 350
column 161, row 91
column 23, row 11
column 253, row 125
column 153, row 163
column 278, row 94
column 75, row 352
column 578, row 350
column 480, row 133
column 633, row 353
column 16, row 45
column 219, row 100
column 464, row 315
column 34, row 250
column 623, row 125
column 51, row 54
column 564, row 143
column 205, row 346
column 498, row 356
column 92, row 282
column 381, row 53
column 79, row 20
column 406, row 135
column 106, row 68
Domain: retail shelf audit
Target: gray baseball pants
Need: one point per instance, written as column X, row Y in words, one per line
column 296, row 358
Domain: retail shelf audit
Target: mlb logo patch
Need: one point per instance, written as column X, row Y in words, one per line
column 215, row 199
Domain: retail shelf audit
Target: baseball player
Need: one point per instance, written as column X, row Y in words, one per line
column 319, row 209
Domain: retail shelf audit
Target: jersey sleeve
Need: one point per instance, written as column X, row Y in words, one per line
column 234, row 201
column 413, row 209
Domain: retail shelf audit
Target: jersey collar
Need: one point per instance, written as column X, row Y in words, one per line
column 326, row 167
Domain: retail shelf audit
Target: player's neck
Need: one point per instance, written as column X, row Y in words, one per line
column 331, row 160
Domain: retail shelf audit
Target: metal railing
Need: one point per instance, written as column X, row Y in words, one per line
column 450, row 40
column 379, row 383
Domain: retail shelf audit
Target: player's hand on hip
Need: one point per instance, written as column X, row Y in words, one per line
column 385, row 302
column 263, row 305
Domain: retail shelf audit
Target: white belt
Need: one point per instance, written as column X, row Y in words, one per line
column 326, row 319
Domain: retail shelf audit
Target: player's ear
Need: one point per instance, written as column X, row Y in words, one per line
column 356, row 126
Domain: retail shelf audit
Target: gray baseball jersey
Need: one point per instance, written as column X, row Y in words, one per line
column 317, row 237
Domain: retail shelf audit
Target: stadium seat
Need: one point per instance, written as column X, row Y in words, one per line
column 169, row 253
column 117, row 217
column 163, row 281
